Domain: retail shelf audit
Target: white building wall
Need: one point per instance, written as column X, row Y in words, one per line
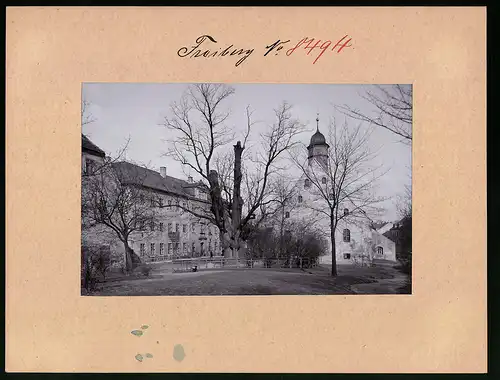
column 363, row 240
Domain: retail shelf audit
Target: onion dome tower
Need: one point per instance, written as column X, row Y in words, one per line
column 318, row 148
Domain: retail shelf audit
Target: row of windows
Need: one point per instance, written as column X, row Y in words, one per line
column 174, row 204
column 158, row 202
column 307, row 182
column 380, row 252
column 175, row 227
column 173, row 248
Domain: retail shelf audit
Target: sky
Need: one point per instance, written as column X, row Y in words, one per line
column 136, row 110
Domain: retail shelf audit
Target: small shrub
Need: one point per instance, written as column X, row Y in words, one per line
column 146, row 270
column 405, row 265
column 89, row 272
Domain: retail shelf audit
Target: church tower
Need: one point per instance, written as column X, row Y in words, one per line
column 318, row 148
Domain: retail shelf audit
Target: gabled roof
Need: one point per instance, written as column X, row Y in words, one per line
column 89, row 147
column 379, row 225
column 141, row 176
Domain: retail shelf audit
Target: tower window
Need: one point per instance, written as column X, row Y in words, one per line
column 380, row 251
column 287, row 214
column 300, row 199
column 323, row 180
column 307, row 183
column 346, row 235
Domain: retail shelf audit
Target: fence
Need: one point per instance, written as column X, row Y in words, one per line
column 221, row 262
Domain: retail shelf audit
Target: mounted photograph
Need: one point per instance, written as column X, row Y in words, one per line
column 246, row 189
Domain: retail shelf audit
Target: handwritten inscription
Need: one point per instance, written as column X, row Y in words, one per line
column 209, row 50
column 339, row 45
column 207, row 46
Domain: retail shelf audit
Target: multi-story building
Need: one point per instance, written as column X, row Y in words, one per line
column 355, row 237
column 172, row 231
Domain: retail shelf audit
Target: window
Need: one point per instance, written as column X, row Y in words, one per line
column 89, row 167
column 176, row 248
column 192, row 248
column 184, row 248
column 162, row 249
column 143, row 249
column 347, row 235
column 300, row 198
column 347, row 256
column 193, row 227
column 323, row 180
column 380, row 251
column 152, row 249
column 161, row 227
column 307, row 183
column 184, row 228
column 176, row 227
column 169, row 249
column 346, row 211
column 287, row 214
column 169, row 226
column 152, row 225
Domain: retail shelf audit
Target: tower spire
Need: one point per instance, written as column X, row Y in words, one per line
column 317, row 122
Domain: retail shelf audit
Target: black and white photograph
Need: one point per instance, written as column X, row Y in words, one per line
column 201, row 189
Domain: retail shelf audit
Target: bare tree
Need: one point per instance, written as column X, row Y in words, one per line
column 114, row 198
column 393, row 110
column 342, row 186
column 199, row 131
column 87, row 116
column 286, row 196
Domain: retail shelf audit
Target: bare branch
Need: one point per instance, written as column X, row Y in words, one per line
column 393, row 110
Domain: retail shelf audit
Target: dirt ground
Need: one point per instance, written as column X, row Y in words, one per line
column 217, row 281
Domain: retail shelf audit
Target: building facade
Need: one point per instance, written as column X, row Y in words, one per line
column 356, row 240
column 172, row 231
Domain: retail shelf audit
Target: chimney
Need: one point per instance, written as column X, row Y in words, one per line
column 163, row 171
column 190, row 179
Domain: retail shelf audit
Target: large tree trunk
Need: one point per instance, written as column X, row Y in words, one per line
column 334, row 252
column 237, row 205
column 128, row 257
